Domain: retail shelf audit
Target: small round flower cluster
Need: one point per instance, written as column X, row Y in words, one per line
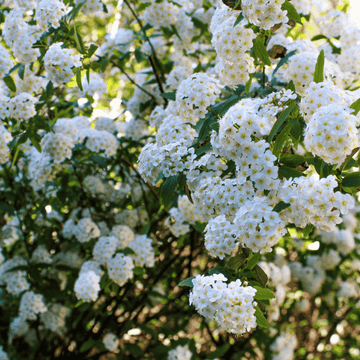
column 54, row 318
column 194, row 95
column 41, row 255
column 5, row 61
column 5, row 138
column 86, row 230
column 342, row 238
column 90, row 6
column 186, row 213
column 3, row 354
column 20, row 36
column 302, row 6
column 314, row 201
column 22, row 106
column 257, row 226
column 111, row 341
column 120, row 269
column 264, row 13
column 322, row 94
column 332, row 134
column 31, row 304
column 161, row 14
column 49, row 12
column 95, row 88
column 283, row 348
column 333, row 23
column 59, row 63
column 144, row 252
column 123, row 234
column 219, row 237
column 301, row 69
column 104, row 249
column 106, row 124
column 278, row 277
column 180, row 353
column 232, row 305
column 16, row 281
column 58, row 146
column 87, row 286
column 31, row 83
column 170, row 159
column 98, row 140
column 18, row 327
column 232, row 44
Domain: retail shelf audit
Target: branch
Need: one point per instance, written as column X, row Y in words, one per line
column 150, row 57
column 129, row 78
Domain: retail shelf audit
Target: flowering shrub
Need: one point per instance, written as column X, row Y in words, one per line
column 176, row 174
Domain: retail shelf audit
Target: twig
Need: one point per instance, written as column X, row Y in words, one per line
column 138, row 174
column 129, row 78
column 151, row 59
column 348, row 158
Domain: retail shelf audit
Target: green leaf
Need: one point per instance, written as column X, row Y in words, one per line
column 187, row 282
column 260, row 50
column 78, row 79
column 308, row 230
column 260, row 318
column 199, row 24
column 146, row 228
column 168, row 189
column 290, row 86
column 263, row 294
column 248, row 84
column 7, row 208
column 221, row 270
column 292, row 14
column 49, row 88
column 169, row 95
column 356, row 106
column 281, row 119
column 281, row 206
column 128, row 251
column 135, row 350
column 253, row 261
column 292, row 160
column 36, row 143
column 288, row 172
column 283, row 61
column 239, row 18
column 260, row 275
column 281, row 139
column 319, row 68
column 200, row 227
column 139, row 55
column 87, row 345
column 143, row 6
column 319, row 37
column 91, row 50
column 351, row 180
column 79, row 42
column 21, row 71
column 220, row 351
column 236, row 261
column 100, row 160
column 9, row 81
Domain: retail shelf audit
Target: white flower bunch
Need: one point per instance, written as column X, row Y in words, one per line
column 144, row 252
column 230, row 305
column 87, row 286
column 161, row 14
column 332, row 134
column 180, row 353
column 59, row 63
column 22, row 106
column 90, row 6
column 31, row 304
column 5, row 61
column 194, row 95
column 120, row 269
column 86, row 230
column 283, row 347
column 49, row 12
column 264, row 13
column 58, row 146
column 111, row 341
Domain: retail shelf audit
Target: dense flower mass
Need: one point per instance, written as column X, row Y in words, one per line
column 155, row 153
